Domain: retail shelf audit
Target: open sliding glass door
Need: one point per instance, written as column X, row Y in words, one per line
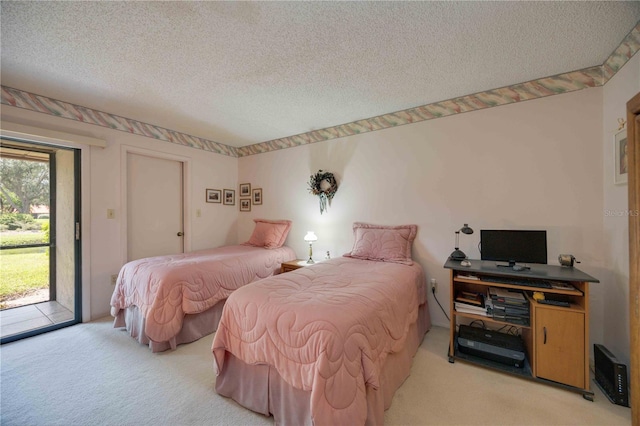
column 40, row 256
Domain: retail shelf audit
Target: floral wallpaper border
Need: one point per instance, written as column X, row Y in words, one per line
column 548, row 86
column 563, row 83
column 43, row 104
column 555, row 85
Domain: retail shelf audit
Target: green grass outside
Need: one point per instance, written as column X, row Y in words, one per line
column 21, row 238
column 22, row 271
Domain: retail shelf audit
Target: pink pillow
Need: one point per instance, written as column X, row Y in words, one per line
column 269, row 233
column 383, row 243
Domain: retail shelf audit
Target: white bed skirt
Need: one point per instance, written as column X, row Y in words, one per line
column 260, row 388
column 194, row 326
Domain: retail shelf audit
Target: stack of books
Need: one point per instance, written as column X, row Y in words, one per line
column 469, row 302
column 509, row 305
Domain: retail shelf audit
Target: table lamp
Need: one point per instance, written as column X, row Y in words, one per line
column 457, row 253
column 310, row 238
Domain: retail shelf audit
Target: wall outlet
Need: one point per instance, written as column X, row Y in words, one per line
column 434, row 285
column 114, row 278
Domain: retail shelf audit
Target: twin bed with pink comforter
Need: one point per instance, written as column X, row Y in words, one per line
column 326, row 344
column 329, row 343
column 164, row 301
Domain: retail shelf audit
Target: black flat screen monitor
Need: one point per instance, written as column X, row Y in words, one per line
column 513, row 246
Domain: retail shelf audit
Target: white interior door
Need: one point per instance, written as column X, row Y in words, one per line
column 154, row 206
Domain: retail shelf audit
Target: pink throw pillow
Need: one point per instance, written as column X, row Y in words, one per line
column 269, row 233
column 383, row 243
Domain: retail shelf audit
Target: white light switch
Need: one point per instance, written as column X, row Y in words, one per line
column 111, row 214
column 198, row 213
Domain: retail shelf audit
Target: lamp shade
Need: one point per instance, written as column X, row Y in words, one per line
column 310, row 237
column 466, row 230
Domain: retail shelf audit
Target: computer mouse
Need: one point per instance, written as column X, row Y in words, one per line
column 465, row 263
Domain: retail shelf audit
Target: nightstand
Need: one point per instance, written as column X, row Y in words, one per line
column 292, row 265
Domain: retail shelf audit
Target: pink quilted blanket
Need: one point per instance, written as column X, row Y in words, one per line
column 165, row 288
column 326, row 328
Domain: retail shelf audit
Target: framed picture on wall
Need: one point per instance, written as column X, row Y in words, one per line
column 214, row 196
column 621, row 158
column 245, row 190
column 229, row 197
column 245, row 204
column 257, row 196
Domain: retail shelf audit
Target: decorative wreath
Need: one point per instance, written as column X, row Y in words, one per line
column 325, row 186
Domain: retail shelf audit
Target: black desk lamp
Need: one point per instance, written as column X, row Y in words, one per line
column 457, row 253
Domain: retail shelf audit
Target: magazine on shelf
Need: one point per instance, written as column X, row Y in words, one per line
column 506, row 295
column 511, row 310
column 515, row 319
column 470, row 297
column 470, row 309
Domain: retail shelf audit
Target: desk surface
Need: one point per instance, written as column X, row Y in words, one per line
column 536, row 271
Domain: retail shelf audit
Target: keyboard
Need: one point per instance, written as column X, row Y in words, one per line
column 519, row 281
column 554, row 302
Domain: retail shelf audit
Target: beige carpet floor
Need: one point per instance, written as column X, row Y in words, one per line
column 92, row 374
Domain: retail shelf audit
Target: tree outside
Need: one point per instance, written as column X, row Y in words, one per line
column 23, row 271
column 23, row 184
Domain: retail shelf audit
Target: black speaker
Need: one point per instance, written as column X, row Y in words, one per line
column 611, row 376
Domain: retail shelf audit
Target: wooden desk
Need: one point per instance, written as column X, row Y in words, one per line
column 556, row 339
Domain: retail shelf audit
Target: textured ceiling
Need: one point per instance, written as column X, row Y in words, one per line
column 240, row 73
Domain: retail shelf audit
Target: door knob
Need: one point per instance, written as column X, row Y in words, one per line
column 180, row 234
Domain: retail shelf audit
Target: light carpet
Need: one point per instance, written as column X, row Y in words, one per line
column 93, row 374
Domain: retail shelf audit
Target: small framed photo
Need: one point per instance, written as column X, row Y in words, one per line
column 621, row 158
column 245, row 190
column 229, row 197
column 256, row 197
column 245, row 204
column 214, row 196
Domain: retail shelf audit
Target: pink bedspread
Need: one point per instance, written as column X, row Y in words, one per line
column 165, row 288
column 326, row 328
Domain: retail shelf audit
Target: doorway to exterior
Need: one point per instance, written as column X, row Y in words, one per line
column 39, row 238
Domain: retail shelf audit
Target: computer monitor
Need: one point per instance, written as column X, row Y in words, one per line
column 513, row 246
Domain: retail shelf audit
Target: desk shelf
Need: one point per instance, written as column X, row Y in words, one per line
column 486, row 281
column 487, row 320
column 524, row 373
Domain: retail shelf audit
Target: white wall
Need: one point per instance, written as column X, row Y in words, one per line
column 215, row 227
column 532, row 165
column 622, row 87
